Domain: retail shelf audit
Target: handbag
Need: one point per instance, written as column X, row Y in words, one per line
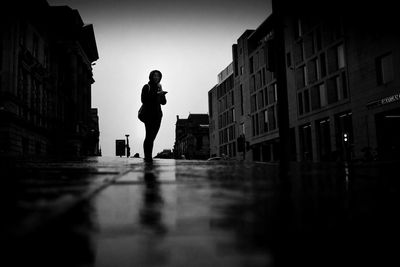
column 141, row 114
column 142, row 111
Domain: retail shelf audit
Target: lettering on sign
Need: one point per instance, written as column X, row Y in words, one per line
column 384, row 101
column 390, row 99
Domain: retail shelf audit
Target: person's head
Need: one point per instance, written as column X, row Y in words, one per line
column 155, row 76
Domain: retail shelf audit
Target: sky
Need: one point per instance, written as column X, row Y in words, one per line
column 190, row 42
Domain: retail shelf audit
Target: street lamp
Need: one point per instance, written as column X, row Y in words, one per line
column 128, row 149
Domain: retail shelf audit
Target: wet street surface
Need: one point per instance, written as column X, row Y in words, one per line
column 122, row 212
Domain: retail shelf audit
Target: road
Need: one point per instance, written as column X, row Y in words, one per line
column 121, row 212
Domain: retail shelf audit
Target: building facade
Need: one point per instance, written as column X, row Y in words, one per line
column 342, row 88
column 246, row 114
column 222, row 115
column 46, row 56
column 192, row 137
column 93, row 137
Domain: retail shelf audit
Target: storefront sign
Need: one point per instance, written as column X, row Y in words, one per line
column 384, row 101
column 390, row 99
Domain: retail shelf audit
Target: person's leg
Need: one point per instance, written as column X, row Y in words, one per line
column 147, row 143
column 152, row 129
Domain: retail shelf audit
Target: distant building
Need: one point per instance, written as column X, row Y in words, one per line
column 222, row 115
column 46, row 56
column 213, row 119
column 192, row 137
column 165, row 154
column 93, row 136
column 257, row 86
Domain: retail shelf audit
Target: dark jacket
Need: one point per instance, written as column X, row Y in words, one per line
column 152, row 101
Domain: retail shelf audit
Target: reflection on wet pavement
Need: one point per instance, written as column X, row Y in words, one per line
column 196, row 213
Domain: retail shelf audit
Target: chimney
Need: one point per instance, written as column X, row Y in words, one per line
column 177, row 117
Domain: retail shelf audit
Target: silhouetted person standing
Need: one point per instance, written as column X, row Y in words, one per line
column 152, row 98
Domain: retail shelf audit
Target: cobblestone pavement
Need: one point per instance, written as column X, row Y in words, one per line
column 122, row 212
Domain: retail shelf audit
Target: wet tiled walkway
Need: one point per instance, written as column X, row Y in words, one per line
column 121, row 212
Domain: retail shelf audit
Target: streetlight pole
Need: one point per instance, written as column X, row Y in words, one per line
column 128, row 149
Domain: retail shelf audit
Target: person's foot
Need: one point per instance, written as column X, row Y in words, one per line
column 148, row 160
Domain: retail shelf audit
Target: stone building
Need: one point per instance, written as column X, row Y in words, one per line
column 192, row 137
column 245, row 100
column 93, row 147
column 46, row 56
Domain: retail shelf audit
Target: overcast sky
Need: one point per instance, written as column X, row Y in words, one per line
column 188, row 41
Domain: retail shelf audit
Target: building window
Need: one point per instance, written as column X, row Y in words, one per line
column 300, row 102
column 251, row 65
column 241, row 100
column 271, row 118
column 258, row 80
column 288, row 59
column 384, row 69
column 304, row 74
column 315, row 99
column 266, row 120
column 340, row 56
column 312, row 71
column 318, row 97
column 271, row 96
column 322, row 95
column 305, row 142
column 324, row 139
column 253, row 125
column 344, row 85
column 299, row 28
column 252, row 84
column 322, row 61
column 230, row 133
column 301, row 77
column 317, row 69
column 253, row 102
column 261, row 57
column 241, row 70
column 298, row 52
column 334, row 93
column 257, row 125
column 263, row 77
column 255, row 59
column 306, row 101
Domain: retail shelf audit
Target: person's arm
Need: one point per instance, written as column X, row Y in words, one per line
column 145, row 94
column 161, row 99
column 161, row 95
